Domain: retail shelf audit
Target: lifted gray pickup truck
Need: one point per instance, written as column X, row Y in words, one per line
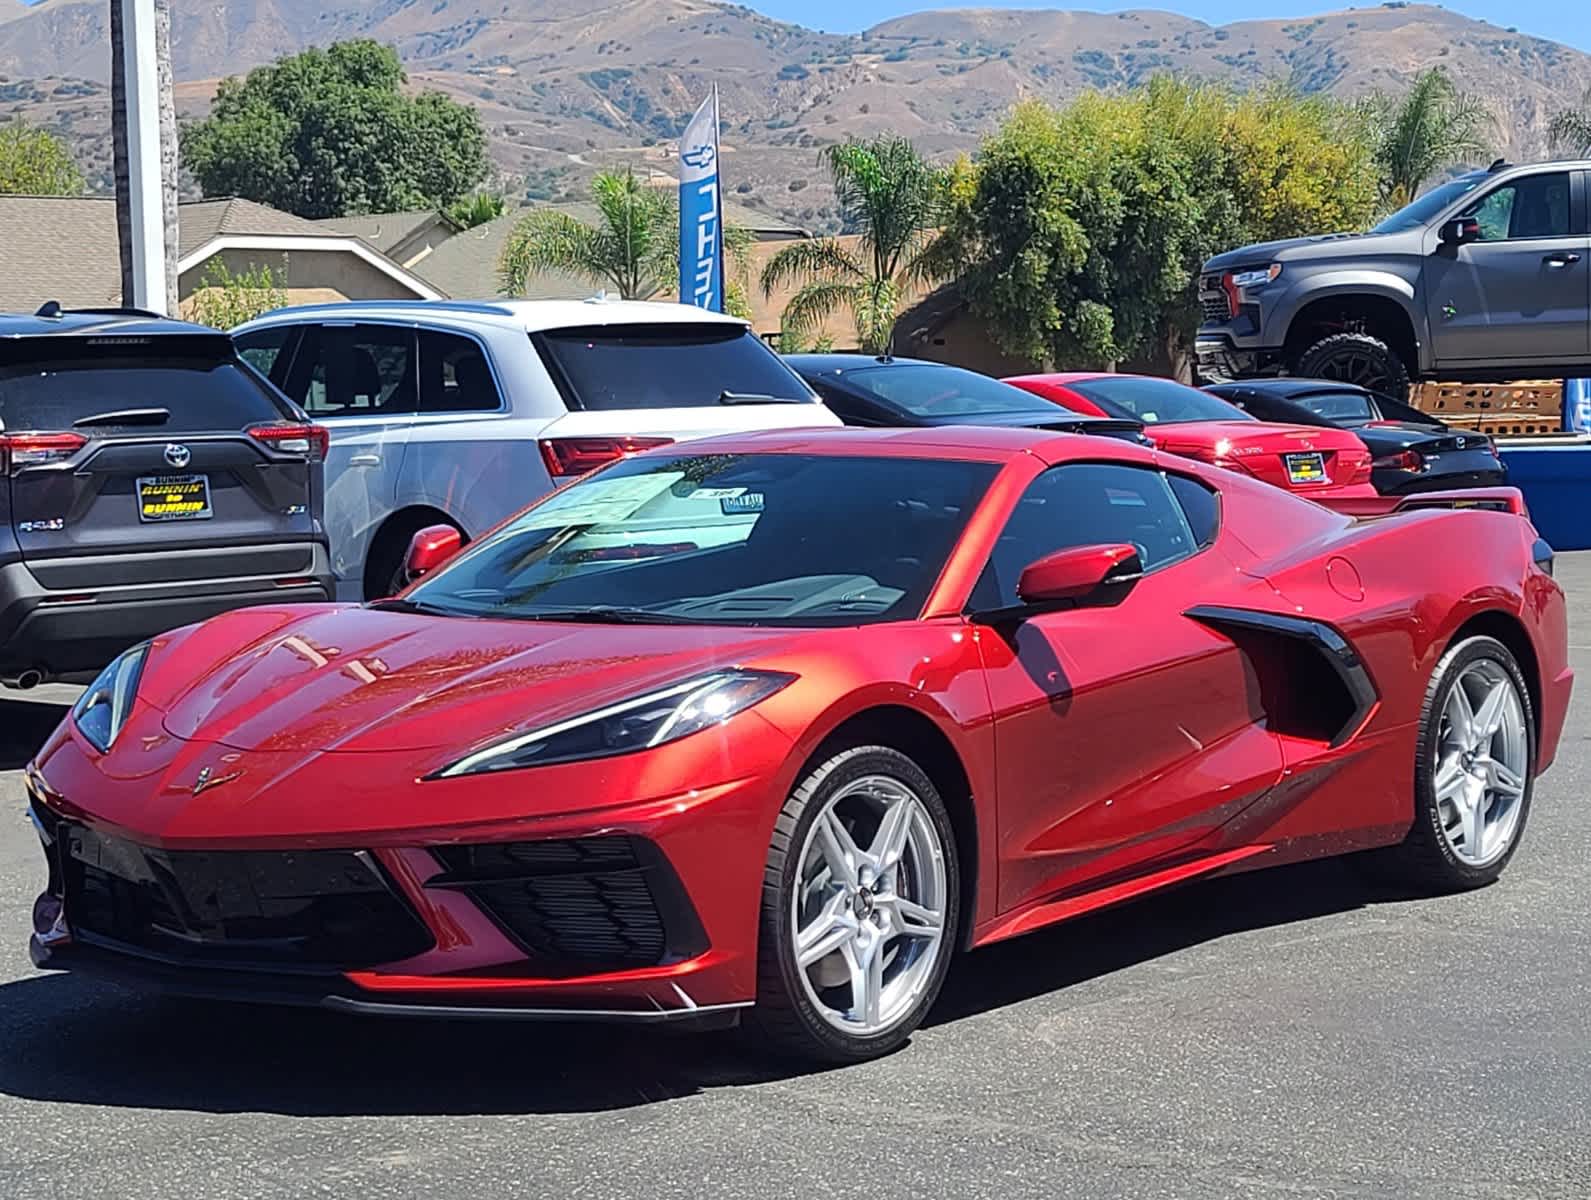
column 1485, row 278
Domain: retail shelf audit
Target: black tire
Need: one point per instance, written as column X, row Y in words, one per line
column 1356, row 358
column 384, row 562
column 784, row 1019
column 1425, row 860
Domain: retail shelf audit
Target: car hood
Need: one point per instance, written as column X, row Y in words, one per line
column 355, row 679
column 1320, row 245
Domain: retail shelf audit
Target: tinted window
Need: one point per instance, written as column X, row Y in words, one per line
column 454, row 375
column 1086, row 504
column 664, row 366
column 1154, row 401
column 1341, row 407
column 1533, row 207
column 1424, row 210
column 927, row 390
column 728, row 539
column 354, row 371
column 262, row 349
column 195, row 394
column 1201, row 505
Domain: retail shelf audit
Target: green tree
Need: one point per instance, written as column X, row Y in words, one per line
column 224, row 299
column 1570, row 129
column 331, row 132
column 1077, row 233
column 475, row 209
column 890, row 195
column 1429, row 128
column 632, row 249
column 34, row 162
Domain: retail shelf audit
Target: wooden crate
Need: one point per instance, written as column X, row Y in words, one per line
column 1527, row 408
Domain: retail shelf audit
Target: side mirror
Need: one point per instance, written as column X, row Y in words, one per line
column 1461, row 231
column 1079, row 575
column 429, row 549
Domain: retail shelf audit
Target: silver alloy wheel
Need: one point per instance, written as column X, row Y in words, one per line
column 868, row 924
column 1482, row 757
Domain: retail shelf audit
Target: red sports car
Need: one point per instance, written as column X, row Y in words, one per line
column 1327, row 465
column 770, row 727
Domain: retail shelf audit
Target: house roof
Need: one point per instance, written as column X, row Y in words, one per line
column 930, row 314
column 385, row 231
column 65, row 248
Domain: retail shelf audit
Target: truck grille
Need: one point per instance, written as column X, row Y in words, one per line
column 312, row 910
column 579, row 904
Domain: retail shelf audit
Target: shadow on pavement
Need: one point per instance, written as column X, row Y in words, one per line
column 66, row 1039
column 24, row 724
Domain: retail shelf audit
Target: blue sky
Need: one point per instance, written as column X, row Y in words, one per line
column 1562, row 20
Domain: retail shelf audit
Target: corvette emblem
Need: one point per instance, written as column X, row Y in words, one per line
column 208, row 779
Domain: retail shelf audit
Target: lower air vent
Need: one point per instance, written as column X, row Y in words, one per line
column 579, row 904
column 1312, row 682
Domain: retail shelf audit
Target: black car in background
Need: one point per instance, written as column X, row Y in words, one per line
column 1411, row 451
column 862, row 390
column 148, row 479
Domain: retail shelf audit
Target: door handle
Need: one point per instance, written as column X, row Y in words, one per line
column 1560, row 259
column 365, row 460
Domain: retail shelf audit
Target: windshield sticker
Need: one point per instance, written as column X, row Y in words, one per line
column 747, row 502
column 600, row 501
column 717, row 493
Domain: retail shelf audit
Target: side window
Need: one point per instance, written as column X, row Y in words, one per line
column 1087, row 504
column 454, row 375
column 262, row 350
column 1534, row 207
column 1201, row 506
column 354, row 371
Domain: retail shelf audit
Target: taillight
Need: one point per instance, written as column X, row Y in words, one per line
column 309, row 440
column 18, row 450
column 577, row 455
column 1409, row 460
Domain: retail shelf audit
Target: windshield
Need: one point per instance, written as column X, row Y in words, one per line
column 666, row 366
column 1154, row 401
column 1421, row 212
column 925, row 390
column 725, row 539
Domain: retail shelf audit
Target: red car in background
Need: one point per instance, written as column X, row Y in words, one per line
column 1326, row 465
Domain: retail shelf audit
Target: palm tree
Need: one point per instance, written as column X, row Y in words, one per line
column 1570, row 129
column 892, row 197
column 633, row 248
column 1434, row 126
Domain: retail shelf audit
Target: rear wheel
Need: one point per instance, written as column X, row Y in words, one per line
column 1356, row 358
column 860, row 906
column 1473, row 776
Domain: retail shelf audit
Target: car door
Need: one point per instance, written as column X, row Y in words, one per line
column 360, row 380
column 1123, row 734
column 1520, row 293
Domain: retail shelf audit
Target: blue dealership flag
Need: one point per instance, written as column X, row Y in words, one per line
column 701, row 228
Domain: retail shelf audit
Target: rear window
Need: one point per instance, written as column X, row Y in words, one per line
column 144, row 392
column 1154, row 401
column 1336, row 406
column 665, row 366
column 926, row 390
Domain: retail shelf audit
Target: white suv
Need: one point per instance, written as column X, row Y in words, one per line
column 463, row 413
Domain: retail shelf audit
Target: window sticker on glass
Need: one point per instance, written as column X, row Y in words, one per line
column 601, row 501
column 747, row 502
column 728, row 493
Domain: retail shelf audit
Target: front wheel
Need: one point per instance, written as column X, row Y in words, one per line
column 860, row 907
column 1356, row 358
column 1473, row 776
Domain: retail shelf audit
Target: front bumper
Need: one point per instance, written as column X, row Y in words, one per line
column 72, row 630
column 1221, row 359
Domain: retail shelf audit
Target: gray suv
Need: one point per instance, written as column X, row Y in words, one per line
column 1486, row 277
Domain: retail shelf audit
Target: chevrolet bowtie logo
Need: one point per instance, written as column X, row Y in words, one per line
column 208, row 779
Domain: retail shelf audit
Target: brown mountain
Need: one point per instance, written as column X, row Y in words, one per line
column 565, row 85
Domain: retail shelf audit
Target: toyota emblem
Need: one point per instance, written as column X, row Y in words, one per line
column 178, row 456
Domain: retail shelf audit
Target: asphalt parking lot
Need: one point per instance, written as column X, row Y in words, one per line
column 1296, row 1033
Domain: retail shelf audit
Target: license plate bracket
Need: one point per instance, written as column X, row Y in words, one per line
column 1306, row 468
column 173, row 498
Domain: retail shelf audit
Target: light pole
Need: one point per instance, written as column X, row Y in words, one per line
column 140, row 67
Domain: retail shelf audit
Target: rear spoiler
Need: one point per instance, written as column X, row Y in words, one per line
column 1491, row 499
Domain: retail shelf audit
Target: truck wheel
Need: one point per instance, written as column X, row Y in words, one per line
column 1356, row 358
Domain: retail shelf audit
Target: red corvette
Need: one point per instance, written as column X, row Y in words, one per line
column 1330, row 466
column 770, row 728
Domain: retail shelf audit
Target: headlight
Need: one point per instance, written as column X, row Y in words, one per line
column 101, row 711
column 651, row 720
column 1256, row 276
